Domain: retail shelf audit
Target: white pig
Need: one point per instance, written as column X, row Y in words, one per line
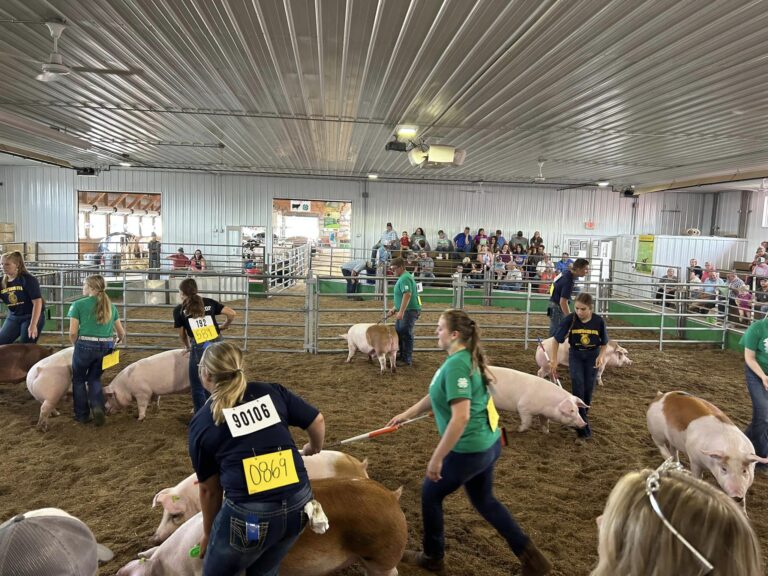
column 366, row 526
column 164, row 373
column 532, row 396
column 378, row 340
column 182, row 501
column 681, row 422
column 615, row 355
column 49, row 381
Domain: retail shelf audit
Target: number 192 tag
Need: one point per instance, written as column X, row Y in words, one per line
column 203, row 329
column 110, row 360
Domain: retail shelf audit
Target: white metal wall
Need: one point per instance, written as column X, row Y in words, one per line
column 728, row 209
column 197, row 207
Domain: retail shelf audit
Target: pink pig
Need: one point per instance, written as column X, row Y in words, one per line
column 531, row 396
column 615, row 355
column 157, row 375
column 49, row 381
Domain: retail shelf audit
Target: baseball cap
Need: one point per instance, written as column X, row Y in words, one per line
column 49, row 542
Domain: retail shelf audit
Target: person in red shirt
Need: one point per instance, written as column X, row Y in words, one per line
column 179, row 261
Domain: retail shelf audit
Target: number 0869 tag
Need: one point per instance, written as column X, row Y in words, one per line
column 270, row 471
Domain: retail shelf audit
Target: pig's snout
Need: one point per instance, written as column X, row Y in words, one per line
column 155, row 539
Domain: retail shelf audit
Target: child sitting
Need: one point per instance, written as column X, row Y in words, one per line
column 744, row 302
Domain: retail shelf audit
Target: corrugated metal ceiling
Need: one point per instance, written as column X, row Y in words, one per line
column 636, row 92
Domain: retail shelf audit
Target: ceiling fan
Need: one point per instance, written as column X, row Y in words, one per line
column 55, row 68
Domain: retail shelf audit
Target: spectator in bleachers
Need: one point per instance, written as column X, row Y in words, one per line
column 405, row 241
column 544, row 263
column 481, row 239
column 709, row 291
column 708, row 269
column 463, row 241
column 536, row 239
column 485, row 257
column 563, row 264
column 501, row 262
column 519, row 256
column 179, row 261
column 734, row 284
column 197, row 262
column 535, row 256
column 444, row 243
column 513, row 279
column 425, row 267
column 388, row 240
column 669, row 278
column 694, row 279
column 695, row 268
column 419, row 240
column 382, row 255
column 492, row 247
column 760, row 268
column 546, row 276
column 473, row 269
column 500, row 240
column 520, row 239
column 744, row 303
column 761, row 298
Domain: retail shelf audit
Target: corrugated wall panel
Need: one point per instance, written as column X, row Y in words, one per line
column 728, row 207
column 755, row 231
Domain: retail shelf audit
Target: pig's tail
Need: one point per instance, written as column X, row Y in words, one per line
column 223, row 363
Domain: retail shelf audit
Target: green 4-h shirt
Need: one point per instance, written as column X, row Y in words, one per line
column 756, row 339
column 455, row 380
column 407, row 285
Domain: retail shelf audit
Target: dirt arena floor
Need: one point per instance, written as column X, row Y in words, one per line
column 108, row 476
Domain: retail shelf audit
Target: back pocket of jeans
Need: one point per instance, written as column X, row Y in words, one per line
column 238, row 538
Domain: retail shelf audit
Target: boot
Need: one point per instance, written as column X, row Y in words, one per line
column 534, row 563
column 436, row 565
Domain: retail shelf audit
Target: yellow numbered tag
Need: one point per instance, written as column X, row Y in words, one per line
column 203, row 329
column 270, row 471
column 493, row 416
column 110, row 360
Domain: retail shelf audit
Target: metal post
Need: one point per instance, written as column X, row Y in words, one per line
column 125, row 301
column 247, row 303
column 61, row 299
column 527, row 314
column 310, row 329
column 725, row 319
column 487, row 285
column 663, row 309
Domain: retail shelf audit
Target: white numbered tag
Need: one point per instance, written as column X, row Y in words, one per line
column 203, row 329
column 252, row 416
column 419, row 287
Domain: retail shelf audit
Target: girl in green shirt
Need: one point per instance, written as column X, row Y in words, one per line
column 468, row 449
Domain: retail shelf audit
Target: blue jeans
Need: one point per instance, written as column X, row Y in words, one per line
column 474, row 471
column 16, row 326
column 404, row 330
column 280, row 525
column 352, row 281
column 757, row 431
column 87, row 393
column 583, row 377
column 555, row 317
column 199, row 394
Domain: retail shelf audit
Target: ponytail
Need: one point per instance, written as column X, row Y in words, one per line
column 469, row 333
column 192, row 303
column 103, row 304
column 223, row 364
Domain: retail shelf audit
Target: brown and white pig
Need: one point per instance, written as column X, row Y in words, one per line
column 378, row 340
column 531, row 396
column 615, row 355
column 681, row 422
column 366, row 526
column 157, row 375
column 182, row 501
column 49, row 381
column 17, row 359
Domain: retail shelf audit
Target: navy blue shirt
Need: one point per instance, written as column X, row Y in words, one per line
column 214, row 450
column 19, row 294
column 181, row 318
column 582, row 336
column 563, row 287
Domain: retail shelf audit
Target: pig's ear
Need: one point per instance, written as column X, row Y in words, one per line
column 160, row 496
column 173, row 503
column 622, row 349
column 717, row 455
column 579, row 402
column 755, row 458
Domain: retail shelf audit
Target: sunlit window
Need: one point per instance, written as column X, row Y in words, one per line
column 133, row 226
column 98, row 228
column 116, row 223
column 158, row 225
column 147, row 226
column 82, row 232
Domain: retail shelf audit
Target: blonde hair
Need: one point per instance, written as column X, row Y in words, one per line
column 16, row 258
column 634, row 541
column 224, row 364
column 98, row 286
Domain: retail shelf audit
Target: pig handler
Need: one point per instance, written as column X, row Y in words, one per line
column 407, row 309
column 253, row 484
column 588, row 337
column 468, row 449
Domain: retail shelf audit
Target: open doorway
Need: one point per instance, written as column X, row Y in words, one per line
column 317, row 222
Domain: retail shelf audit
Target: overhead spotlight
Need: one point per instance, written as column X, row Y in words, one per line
column 418, row 155
column 603, row 183
column 406, row 132
column 373, row 176
column 125, row 162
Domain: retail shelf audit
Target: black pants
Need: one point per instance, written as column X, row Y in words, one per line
column 352, row 283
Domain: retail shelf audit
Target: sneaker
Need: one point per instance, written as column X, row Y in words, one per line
column 436, row 565
column 533, row 562
column 98, row 416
